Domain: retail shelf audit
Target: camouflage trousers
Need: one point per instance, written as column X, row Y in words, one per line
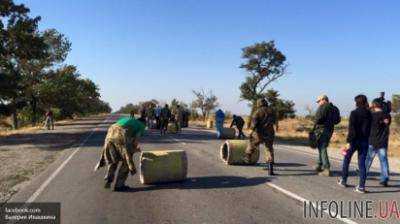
column 256, row 140
column 117, row 150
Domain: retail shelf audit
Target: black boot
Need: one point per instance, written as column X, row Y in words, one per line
column 271, row 169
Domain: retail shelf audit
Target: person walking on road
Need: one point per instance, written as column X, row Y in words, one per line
column 239, row 123
column 157, row 113
column 326, row 117
column 379, row 140
column 357, row 140
column 179, row 118
column 165, row 117
column 219, row 121
column 262, row 126
column 49, row 122
column 120, row 144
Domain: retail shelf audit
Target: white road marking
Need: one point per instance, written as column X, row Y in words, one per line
column 302, row 200
column 57, row 171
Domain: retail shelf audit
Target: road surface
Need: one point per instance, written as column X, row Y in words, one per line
column 213, row 193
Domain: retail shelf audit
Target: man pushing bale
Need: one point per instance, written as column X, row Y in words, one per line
column 120, row 144
column 262, row 125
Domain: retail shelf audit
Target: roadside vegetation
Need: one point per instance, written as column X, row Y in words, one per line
column 33, row 75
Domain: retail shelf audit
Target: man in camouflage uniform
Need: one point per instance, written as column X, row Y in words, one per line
column 120, row 144
column 263, row 131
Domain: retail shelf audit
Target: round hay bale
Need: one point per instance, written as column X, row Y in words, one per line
column 172, row 128
column 233, row 151
column 163, row 166
column 228, row 133
column 210, row 123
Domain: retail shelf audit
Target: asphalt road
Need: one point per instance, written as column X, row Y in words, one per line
column 213, row 192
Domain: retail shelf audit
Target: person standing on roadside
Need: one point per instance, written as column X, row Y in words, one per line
column 219, row 121
column 357, row 140
column 326, row 117
column 379, row 140
column 262, row 126
column 179, row 118
column 49, row 122
column 239, row 123
column 165, row 117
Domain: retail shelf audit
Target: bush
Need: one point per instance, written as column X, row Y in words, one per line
column 397, row 119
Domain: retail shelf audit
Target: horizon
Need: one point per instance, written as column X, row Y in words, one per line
column 137, row 51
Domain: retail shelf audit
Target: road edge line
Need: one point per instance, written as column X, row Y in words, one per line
column 43, row 186
column 303, row 200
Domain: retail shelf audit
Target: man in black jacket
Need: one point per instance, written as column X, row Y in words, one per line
column 357, row 139
column 379, row 140
column 323, row 129
column 239, row 123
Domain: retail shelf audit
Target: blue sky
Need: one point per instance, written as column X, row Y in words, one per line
column 136, row 50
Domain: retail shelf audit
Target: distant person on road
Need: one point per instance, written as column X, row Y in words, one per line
column 49, row 122
column 219, row 121
column 157, row 113
column 179, row 117
column 132, row 114
column 379, row 140
column 239, row 123
column 119, row 146
column 357, row 140
column 165, row 117
column 326, row 117
column 150, row 114
column 262, row 127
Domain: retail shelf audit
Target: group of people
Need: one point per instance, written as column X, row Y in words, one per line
column 159, row 117
column 368, row 134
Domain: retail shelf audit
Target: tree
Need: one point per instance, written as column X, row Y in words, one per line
column 396, row 108
column 264, row 64
column 128, row 108
column 20, row 42
column 283, row 108
column 205, row 101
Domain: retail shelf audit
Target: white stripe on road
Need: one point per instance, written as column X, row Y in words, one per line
column 303, row 200
column 57, row 171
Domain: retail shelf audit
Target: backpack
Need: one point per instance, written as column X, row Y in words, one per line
column 334, row 115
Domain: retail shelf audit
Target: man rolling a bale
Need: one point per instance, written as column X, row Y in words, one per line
column 263, row 131
column 120, row 144
column 239, row 123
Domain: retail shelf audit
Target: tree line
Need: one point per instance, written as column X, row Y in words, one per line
column 33, row 76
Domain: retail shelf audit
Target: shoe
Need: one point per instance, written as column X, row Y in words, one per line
column 325, row 173
column 359, row 190
column 122, row 188
column 107, row 184
column 342, row 183
column 317, row 168
column 384, row 183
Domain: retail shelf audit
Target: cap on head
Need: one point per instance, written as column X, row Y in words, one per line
column 322, row 97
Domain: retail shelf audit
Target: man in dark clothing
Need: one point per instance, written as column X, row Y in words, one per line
column 239, row 123
column 263, row 131
column 386, row 105
column 357, row 139
column 379, row 140
column 165, row 116
column 323, row 129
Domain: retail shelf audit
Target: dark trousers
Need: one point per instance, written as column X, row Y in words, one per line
column 361, row 146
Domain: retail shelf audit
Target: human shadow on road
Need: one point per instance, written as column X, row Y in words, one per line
column 210, row 182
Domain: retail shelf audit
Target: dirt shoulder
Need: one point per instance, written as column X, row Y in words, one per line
column 26, row 153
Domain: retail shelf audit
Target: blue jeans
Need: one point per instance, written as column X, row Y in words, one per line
column 361, row 146
column 219, row 125
column 383, row 158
